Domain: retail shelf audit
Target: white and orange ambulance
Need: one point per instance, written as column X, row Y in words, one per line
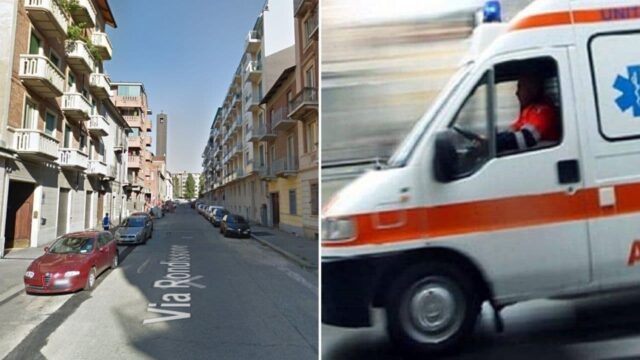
column 451, row 222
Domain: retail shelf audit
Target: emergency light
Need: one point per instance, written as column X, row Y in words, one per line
column 492, row 11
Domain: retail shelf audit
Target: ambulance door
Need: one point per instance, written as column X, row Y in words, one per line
column 612, row 110
column 519, row 213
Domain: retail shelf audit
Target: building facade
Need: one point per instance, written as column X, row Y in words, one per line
column 65, row 169
column 259, row 161
column 181, row 184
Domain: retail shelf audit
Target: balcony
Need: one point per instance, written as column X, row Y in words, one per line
column 129, row 101
column 236, row 150
column 134, row 121
column 103, row 44
column 84, row 12
column 120, row 146
column 252, row 42
column 264, row 133
column 305, row 103
column 239, row 173
column 97, row 168
column 252, row 101
column 148, row 141
column 285, row 168
column 35, row 144
column 72, row 159
column 98, row 125
column 40, row 75
column 78, row 57
column 76, row 107
column 252, row 136
column 299, row 6
column 135, row 162
column 100, row 85
column 280, row 120
column 48, row 17
column 253, row 71
column 112, row 172
column 134, row 142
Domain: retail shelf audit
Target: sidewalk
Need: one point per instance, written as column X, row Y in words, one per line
column 301, row 250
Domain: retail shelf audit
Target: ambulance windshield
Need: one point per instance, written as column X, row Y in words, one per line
column 403, row 152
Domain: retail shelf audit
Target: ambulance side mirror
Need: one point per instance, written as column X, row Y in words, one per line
column 445, row 161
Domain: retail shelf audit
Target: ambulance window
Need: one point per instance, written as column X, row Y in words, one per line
column 528, row 115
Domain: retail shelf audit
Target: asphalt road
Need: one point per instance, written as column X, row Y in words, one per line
column 604, row 327
column 202, row 297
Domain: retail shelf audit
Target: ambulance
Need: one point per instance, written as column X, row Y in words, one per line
column 451, row 223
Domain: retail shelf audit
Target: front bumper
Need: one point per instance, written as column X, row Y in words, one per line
column 129, row 241
column 347, row 291
column 56, row 284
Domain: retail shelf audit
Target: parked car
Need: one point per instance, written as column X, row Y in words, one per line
column 210, row 211
column 217, row 216
column 135, row 230
column 235, row 225
column 147, row 215
column 72, row 263
column 155, row 212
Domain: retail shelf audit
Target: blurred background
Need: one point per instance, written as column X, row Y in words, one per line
column 383, row 63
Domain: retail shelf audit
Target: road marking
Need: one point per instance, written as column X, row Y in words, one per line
column 144, row 264
column 298, row 278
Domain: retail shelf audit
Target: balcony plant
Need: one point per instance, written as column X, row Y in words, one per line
column 76, row 32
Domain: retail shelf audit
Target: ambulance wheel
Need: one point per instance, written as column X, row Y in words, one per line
column 431, row 309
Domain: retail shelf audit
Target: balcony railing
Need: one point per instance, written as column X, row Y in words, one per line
column 134, row 121
column 304, row 103
column 281, row 121
column 253, row 71
column 252, row 41
column 286, row 167
column 76, row 106
column 112, row 172
column 98, row 125
column 135, row 142
column 72, row 159
column 78, row 56
column 252, row 101
column 40, row 75
column 35, row 143
column 48, row 17
column 103, row 44
column 100, row 84
column 265, row 133
column 129, row 101
column 98, row 168
column 84, row 13
column 135, row 161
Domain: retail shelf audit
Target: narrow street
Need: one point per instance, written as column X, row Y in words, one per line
column 239, row 300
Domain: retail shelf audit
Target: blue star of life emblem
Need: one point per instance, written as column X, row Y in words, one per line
column 630, row 89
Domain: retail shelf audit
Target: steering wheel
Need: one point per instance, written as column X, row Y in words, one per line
column 468, row 134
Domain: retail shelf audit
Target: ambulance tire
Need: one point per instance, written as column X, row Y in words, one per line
column 431, row 309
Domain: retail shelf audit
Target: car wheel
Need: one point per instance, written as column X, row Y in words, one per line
column 115, row 261
column 91, row 279
column 431, row 309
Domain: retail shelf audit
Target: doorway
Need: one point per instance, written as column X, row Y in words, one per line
column 275, row 208
column 87, row 210
column 19, row 210
column 63, row 211
column 100, row 212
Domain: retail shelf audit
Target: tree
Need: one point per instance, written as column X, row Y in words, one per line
column 191, row 187
column 177, row 188
column 201, row 184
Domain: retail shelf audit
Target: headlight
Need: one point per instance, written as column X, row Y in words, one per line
column 71, row 273
column 338, row 229
column 29, row 274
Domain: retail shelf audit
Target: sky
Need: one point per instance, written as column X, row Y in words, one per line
column 185, row 52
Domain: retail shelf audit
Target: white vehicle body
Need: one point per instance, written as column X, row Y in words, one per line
column 526, row 233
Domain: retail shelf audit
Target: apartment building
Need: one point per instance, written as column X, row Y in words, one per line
column 131, row 100
column 182, row 183
column 63, row 165
column 303, row 107
column 231, row 169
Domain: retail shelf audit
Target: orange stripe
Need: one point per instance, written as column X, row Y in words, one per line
column 488, row 215
column 577, row 17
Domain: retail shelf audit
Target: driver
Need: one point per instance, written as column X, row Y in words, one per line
column 537, row 122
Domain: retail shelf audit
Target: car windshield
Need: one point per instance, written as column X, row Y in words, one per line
column 134, row 222
column 72, row 245
column 238, row 220
column 221, row 213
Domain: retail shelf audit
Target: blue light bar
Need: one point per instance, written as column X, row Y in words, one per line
column 492, row 11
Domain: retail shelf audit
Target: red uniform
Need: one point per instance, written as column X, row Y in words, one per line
column 541, row 120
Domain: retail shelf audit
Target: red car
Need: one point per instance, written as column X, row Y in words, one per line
column 72, row 263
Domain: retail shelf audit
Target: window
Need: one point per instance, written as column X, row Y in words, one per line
column 30, row 116
column 312, row 139
column 83, row 142
column 50, row 123
column 35, row 44
column 54, row 59
column 261, row 151
column 128, row 90
column 71, row 82
column 292, row 202
column 314, row 199
column 67, row 136
column 525, row 116
column 290, row 152
column 309, row 78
